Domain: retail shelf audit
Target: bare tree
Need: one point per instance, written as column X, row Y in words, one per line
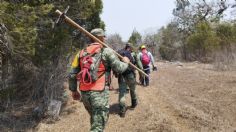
column 115, row 41
column 188, row 14
column 153, row 42
column 181, row 4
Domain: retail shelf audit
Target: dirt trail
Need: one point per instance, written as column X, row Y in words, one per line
column 184, row 97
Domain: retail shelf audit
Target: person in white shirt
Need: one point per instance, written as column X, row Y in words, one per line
column 146, row 59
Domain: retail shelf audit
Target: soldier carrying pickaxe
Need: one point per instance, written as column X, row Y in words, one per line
column 92, row 67
column 62, row 16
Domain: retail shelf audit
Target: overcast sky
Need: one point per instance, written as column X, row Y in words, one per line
column 122, row 16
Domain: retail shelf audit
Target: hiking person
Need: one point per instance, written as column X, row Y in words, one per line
column 127, row 81
column 146, row 59
column 91, row 67
column 139, row 64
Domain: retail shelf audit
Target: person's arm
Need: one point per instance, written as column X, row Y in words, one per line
column 138, row 59
column 152, row 59
column 114, row 62
column 72, row 78
column 154, row 68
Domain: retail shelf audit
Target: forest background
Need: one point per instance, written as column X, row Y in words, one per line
column 35, row 53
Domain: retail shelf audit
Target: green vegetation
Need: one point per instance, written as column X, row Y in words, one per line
column 135, row 38
column 198, row 33
column 206, row 40
column 39, row 50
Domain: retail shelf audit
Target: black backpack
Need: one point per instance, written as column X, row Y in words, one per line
column 126, row 53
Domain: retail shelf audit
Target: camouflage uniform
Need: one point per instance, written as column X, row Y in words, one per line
column 96, row 102
column 138, row 62
column 125, row 80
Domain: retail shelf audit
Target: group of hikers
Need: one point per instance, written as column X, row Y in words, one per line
column 92, row 67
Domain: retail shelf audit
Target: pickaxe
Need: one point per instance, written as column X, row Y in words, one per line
column 77, row 26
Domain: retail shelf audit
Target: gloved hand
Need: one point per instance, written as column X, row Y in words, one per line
column 154, row 68
column 76, row 95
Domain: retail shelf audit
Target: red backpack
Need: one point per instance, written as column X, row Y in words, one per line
column 145, row 58
column 91, row 65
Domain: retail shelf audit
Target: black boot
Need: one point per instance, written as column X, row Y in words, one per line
column 134, row 103
column 127, row 90
column 122, row 113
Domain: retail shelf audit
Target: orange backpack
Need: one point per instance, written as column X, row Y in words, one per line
column 92, row 69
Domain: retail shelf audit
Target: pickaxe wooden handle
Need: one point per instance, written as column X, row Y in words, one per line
column 77, row 26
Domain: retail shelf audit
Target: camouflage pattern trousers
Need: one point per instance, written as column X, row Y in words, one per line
column 97, row 105
column 124, row 82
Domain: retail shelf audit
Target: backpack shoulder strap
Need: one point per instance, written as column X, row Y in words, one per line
column 94, row 48
column 81, row 53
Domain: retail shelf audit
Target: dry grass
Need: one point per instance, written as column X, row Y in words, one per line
column 187, row 98
column 225, row 60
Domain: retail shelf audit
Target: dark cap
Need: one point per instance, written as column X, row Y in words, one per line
column 128, row 45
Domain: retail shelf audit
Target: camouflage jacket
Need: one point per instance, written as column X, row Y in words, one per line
column 110, row 60
column 137, row 60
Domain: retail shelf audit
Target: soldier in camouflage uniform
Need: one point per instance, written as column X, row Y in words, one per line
column 127, row 79
column 95, row 100
column 139, row 64
column 137, row 61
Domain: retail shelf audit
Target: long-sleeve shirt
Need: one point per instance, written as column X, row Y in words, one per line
column 110, row 60
column 139, row 56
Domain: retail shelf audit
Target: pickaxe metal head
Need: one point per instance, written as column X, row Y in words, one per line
column 62, row 16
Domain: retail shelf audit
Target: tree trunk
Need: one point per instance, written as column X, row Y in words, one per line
column 1, row 75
